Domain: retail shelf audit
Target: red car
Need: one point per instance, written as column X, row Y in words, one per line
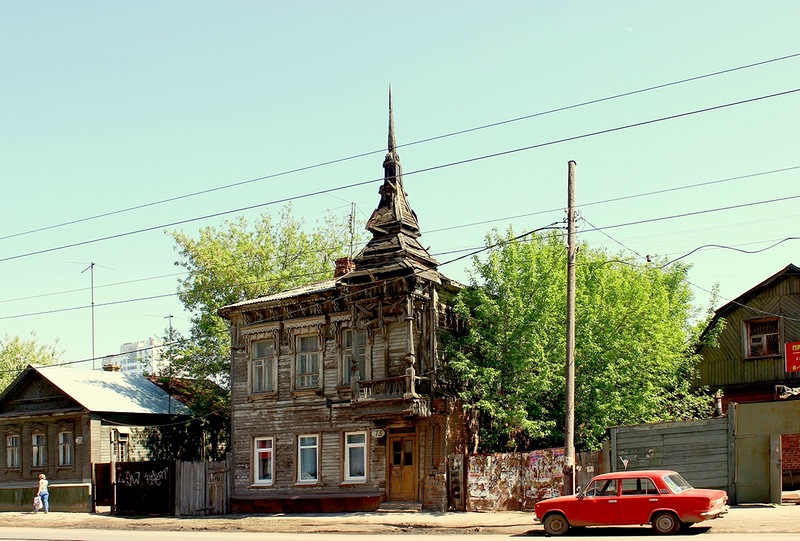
column 659, row 497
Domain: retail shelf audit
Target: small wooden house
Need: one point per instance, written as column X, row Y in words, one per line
column 336, row 402
column 60, row 421
column 749, row 361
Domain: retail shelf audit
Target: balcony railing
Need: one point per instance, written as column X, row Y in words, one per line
column 406, row 386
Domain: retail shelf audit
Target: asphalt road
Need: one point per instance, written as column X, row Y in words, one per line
column 606, row 534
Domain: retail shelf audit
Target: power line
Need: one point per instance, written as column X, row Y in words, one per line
column 697, row 212
column 424, row 170
column 420, row 141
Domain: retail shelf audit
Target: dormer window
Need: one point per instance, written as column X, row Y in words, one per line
column 762, row 337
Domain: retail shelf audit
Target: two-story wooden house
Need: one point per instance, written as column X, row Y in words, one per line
column 749, row 364
column 334, row 384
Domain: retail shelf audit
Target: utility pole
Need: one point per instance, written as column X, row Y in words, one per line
column 569, row 417
column 90, row 268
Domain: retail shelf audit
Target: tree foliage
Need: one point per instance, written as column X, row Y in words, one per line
column 16, row 353
column 633, row 356
column 236, row 262
column 228, row 264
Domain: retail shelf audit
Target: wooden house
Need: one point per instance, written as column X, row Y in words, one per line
column 748, row 363
column 335, row 396
column 60, row 421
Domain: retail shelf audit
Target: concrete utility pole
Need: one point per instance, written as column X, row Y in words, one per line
column 569, row 417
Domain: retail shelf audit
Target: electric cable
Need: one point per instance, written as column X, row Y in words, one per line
column 418, row 171
column 421, row 141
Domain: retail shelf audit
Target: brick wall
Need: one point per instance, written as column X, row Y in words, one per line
column 790, row 444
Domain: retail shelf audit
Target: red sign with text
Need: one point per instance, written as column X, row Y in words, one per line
column 793, row 356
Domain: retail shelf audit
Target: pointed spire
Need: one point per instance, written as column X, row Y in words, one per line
column 394, row 248
column 392, row 140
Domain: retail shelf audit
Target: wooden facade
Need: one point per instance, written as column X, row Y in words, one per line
column 60, row 421
column 745, row 366
column 335, row 398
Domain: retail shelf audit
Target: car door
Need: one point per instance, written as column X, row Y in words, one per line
column 637, row 500
column 598, row 506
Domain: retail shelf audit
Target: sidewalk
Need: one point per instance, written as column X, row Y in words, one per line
column 741, row 519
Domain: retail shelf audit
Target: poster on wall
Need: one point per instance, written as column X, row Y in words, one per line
column 793, row 356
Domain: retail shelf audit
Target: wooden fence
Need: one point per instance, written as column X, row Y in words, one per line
column 202, row 488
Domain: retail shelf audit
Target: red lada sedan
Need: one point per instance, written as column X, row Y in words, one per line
column 659, row 497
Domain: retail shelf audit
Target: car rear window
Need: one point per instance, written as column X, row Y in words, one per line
column 676, row 483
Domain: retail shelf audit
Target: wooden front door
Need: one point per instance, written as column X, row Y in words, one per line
column 403, row 467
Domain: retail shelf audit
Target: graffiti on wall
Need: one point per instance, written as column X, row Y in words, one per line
column 513, row 481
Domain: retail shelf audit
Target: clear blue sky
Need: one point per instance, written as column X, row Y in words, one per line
column 110, row 105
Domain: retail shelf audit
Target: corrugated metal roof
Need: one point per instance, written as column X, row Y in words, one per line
column 114, row 392
column 317, row 287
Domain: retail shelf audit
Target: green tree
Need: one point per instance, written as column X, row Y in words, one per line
column 236, row 262
column 634, row 361
column 16, row 353
column 228, row 264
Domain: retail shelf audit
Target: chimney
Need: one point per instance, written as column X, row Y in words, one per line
column 343, row 266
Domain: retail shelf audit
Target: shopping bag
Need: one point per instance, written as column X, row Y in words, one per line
column 37, row 503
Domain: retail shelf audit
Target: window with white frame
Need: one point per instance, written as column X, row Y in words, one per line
column 307, row 458
column 763, row 337
column 263, row 461
column 355, row 456
column 307, row 362
column 65, row 448
column 38, row 451
column 262, row 367
column 354, row 353
column 12, row 451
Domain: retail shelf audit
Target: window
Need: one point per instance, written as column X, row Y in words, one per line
column 355, row 456
column 354, row 351
column 602, row 487
column 307, row 453
column 119, row 443
column 638, row 486
column 65, row 448
column 762, row 337
column 307, row 362
column 263, row 463
column 38, row 456
column 12, row 451
column 262, row 367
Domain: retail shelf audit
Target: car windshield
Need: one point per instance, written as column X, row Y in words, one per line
column 676, row 483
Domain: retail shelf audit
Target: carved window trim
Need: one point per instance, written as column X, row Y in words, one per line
column 13, row 448
column 66, row 448
column 346, row 353
column 38, row 449
column 308, row 363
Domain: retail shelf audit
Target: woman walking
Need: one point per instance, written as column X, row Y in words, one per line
column 44, row 494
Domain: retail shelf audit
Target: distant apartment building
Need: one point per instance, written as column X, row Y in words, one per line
column 141, row 357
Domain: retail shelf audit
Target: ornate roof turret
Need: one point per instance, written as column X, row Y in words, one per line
column 393, row 249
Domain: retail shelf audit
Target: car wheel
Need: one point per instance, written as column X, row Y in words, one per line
column 666, row 523
column 556, row 524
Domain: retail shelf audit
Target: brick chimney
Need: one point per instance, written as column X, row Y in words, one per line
column 343, row 266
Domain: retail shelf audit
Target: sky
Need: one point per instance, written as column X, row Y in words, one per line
column 122, row 121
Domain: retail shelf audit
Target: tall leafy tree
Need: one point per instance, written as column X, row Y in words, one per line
column 226, row 264
column 237, row 261
column 16, row 353
column 634, row 361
